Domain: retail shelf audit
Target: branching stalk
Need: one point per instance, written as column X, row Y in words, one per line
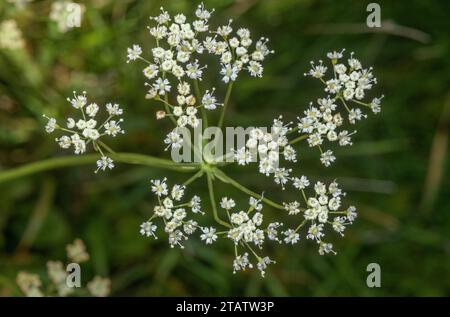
column 225, row 104
column 228, row 180
column 213, row 202
column 66, row 161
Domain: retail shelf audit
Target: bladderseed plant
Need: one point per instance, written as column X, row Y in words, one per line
column 174, row 70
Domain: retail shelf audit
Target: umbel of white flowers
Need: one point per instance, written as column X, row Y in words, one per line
column 79, row 133
column 174, row 73
column 246, row 228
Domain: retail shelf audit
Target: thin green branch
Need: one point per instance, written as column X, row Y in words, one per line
column 300, row 225
column 106, row 147
column 166, row 106
column 67, row 161
column 298, row 139
column 293, row 130
column 225, row 104
column 344, row 103
column 202, row 110
column 194, row 177
column 360, row 103
column 228, row 180
column 213, row 202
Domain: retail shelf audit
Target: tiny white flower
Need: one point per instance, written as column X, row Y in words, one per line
column 339, row 225
column 257, row 218
column 351, row 214
column 64, row 142
column 92, row 134
column 326, row 248
column 195, row 204
column 78, row 101
column 174, row 140
column 113, row 128
column 255, row 203
column 317, row 71
column 148, row 229
column 291, row 236
column 70, row 123
column 159, row 187
column 103, row 163
column 209, row 235
column 229, row 73
column 179, row 214
column 255, row 69
column 151, row 71
column 281, row 176
column 262, row 264
column 177, row 192
column 315, row 232
column 301, row 183
column 243, row 156
column 241, row 262
column 92, row 109
column 194, row 71
column 335, row 55
column 51, row 125
column 209, row 101
column 113, row 109
column 134, row 53
column 293, row 208
column 327, row 158
column 227, row 203
column 162, row 86
column 175, row 239
column 272, row 232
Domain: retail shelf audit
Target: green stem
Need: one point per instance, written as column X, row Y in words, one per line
column 107, row 148
column 298, row 139
column 193, row 177
column 225, row 104
column 293, row 130
column 166, row 103
column 66, row 161
column 157, row 98
column 345, row 104
column 146, row 160
column 203, row 111
column 213, row 202
column 226, row 179
column 360, row 103
column 300, row 225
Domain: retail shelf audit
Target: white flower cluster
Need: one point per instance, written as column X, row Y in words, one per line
column 179, row 46
column 87, row 130
column 10, row 35
column 268, row 146
column 20, row 4
column 234, row 52
column 66, row 14
column 348, row 86
column 321, row 209
column 186, row 112
column 179, row 42
column 177, row 52
column 174, row 215
column 246, row 230
column 32, row 286
column 174, row 73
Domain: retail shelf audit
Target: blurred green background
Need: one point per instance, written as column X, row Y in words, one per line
column 397, row 173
